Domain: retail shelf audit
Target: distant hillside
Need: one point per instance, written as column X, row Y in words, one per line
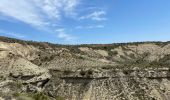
column 119, row 71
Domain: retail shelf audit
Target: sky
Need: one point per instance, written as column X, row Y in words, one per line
column 86, row 21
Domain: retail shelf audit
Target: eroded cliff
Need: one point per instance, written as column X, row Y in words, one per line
column 44, row 71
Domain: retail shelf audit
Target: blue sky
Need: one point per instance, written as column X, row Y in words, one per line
column 86, row 21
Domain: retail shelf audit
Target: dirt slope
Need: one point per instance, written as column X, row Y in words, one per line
column 124, row 71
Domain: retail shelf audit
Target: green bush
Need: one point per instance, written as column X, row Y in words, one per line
column 112, row 53
column 40, row 96
column 31, row 96
column 59, row 98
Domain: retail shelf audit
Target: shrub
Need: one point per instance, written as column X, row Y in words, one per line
column 112, row 53
column 90, row 72
column 40, row 96
column 59, row 98
column 82, row 73
column 67, row 72
column 31, row 96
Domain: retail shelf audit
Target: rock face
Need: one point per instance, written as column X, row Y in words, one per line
column 117, row 84
column 44, row 71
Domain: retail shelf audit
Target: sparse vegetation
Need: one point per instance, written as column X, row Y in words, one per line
column 86, row 73
column 126, row 70
column 112, row 53
column 82, row 73
column 74, row 48
column 31, row 96
column 89, row 72
column 67, row 72
column 40, row 96
column 60, row 98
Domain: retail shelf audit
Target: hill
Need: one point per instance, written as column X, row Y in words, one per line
column 120, row 71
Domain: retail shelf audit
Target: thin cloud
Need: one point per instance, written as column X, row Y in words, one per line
column 96, row 15
column 41, row 14
column 89, row 27
column 17, row 35
column 37, row 12
column 63, row 35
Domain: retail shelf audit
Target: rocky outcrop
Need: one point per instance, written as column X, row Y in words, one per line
column 117, row 84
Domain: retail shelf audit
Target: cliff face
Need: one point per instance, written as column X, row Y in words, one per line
column 43, row 71
column 114, row 84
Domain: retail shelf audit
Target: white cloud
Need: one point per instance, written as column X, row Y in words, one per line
column 89, row 27
column 21, row 10
column 63, row 35
column 71, row 5
column 17, row 35
column 41, row 14
column 96, row 15
column 97, row 26
column 37, row 12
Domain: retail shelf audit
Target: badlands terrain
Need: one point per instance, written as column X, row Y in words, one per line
column 122, row 71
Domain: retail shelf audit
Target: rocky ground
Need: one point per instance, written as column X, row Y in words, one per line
column 43, row 71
